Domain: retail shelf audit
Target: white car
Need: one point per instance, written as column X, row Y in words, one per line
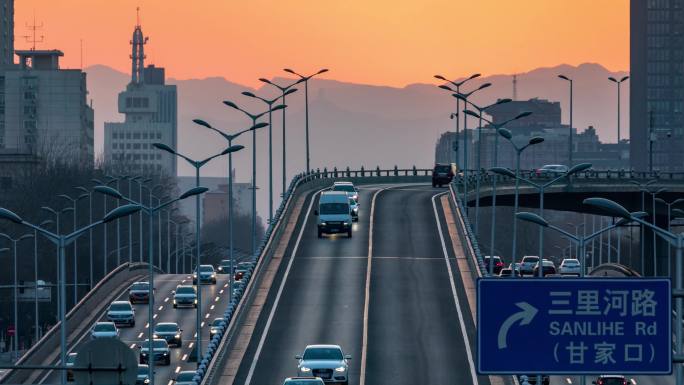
column 527, row 264
column 354, row 209
column 324, row 361
column 570, row 266
column 121, row 312
column 104, row 330
column 347, row 187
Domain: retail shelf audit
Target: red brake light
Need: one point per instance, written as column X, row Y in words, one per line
column 499, row 264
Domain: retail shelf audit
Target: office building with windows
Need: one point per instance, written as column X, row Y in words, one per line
column 150, row 109
column 657, row 85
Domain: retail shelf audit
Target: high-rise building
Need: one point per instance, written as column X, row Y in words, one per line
column 6, row 32
column 44, row 114
column 657, row 84
column 150, row 109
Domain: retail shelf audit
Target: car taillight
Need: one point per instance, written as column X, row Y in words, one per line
column 499, row 264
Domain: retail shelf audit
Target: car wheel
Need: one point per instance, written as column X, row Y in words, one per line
column 168, row 361
column 349, row 233
column 320, row 234
column 175, row 306
column 195, row 306
column 214, row 282
column 434, row 185
column 133, row 324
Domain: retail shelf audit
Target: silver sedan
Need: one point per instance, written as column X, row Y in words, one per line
column 327, row 362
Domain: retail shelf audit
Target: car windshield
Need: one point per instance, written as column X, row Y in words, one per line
column 225, row 262
column 185, row 376
column 143, row 370
column 216, row 322
column 571, row 262
column 530, row 259
column 156, row 343
column 244, row 265
column 185, row 290
column 104, row 327
column 166, row 328
column 612, row 381
column 206, row 268
column 344, row 187
column 334, row 208
column 322, row 354
column 442, row 168
column 71, row 358
column 120, row 307
column 141, row 286
column 304, row 382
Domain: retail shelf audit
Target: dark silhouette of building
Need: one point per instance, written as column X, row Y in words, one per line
column 657, row 84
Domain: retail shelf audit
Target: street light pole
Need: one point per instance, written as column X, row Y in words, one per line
column 618, row 82
column 15, row 290
column 508, row 135
column 197, row 165
column 74, row 201
column 306, row 79
column 571, row 132
column 653, row 194
column 669, row 228
column 284, row 91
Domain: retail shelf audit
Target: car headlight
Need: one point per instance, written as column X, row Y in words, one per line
column 174, row 301
column 166, row 353
column 177, row 335
column 356, row 209
column 213, row 275
column 147, row 381
column 155, row 336
column 304, row 369
column 323, row 223
column 194, row 275
column 195, row 301
column 345, row 223
column 220, row 268
column 340, row 369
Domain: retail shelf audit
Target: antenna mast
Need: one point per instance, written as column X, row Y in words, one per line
column 515, row 87
column 33, row 38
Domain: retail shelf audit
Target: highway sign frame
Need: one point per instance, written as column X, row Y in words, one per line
column 517, row 290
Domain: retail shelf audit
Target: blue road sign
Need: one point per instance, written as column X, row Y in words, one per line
column 574, row 326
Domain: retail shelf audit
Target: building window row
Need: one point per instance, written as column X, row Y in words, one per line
column 135, row 102
column 137, row 135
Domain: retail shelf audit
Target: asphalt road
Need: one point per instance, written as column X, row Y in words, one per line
column 215, row 299
column 413, row 330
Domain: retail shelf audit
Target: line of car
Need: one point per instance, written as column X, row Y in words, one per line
column 529, row 265
column 337, row 209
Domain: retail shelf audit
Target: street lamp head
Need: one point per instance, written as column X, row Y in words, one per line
column 264, row 80
column 677, row 201
column 445, row 87
column 523, row 114
column 121, row 211
column 473, row 76
column 25, row 236
column 289, row 70
column 650, row 182
column 247, row 93
column 290, row 91
column 471, row 113
column 661, row 200
column 612, row 208
column 506, row 133
column 503, row 101
column 46, row 222
column 232, row 149
column 279, row 107
column 258, row 126
column 4, row 249
column 322, row 71
column 678, row 212
column 193, row 191
column 164, row 147
column 536, row 140
column 10, row 216
column 564, row 77
column 660, row 190
column 483, row 86
column 624, row 78
column 231, row 104
column 503, row 171
column 106, row 190
column 531, row 217
column 612, row 79
column 64, row 196
column 202, row 123
column 440, row 77
column 578, row 168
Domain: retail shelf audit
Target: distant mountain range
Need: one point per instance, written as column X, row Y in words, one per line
column 356, row 124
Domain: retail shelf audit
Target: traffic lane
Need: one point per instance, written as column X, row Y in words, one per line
column 127, row 335
column 322, row 301
column 216, row 296
column 413, row 326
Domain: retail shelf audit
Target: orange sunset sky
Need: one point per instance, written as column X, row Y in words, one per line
column 382, row 42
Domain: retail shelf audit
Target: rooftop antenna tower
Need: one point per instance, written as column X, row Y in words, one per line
column 33, row 38
column 515, row 87
column 138, row 55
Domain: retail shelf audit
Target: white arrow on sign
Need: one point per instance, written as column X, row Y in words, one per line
column 525, row 316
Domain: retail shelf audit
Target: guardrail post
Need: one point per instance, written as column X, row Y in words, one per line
column 325, row 172
column 377, row 169
column 415, row 172
column 362, row 172
column 335, row 171
column 348, row 172
column 396, row 170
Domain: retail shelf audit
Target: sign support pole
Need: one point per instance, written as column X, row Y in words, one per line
column 678, row 304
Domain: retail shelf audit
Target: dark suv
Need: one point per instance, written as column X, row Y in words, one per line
column 443, row 173
column 498, row 264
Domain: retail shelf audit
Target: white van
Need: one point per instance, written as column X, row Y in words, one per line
column 334, row 213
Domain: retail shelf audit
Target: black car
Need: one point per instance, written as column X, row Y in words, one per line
column 498, row 264
column 610, row 380
column 224, row 266
column 170, row 332
column 139, row 292
column 532, row 379
column 548, row 269
column 443, row 173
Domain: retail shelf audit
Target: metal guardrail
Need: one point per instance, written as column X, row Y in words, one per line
column 468, row 232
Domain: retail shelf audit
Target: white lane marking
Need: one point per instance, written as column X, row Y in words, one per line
column 191, row 344
column 568, row 380
column 147, row 325
column 212, row 307
column 201, row 325
column 225, row 285
column 216, row 299
column 132, row 346
column 140, row 335
column 207, row 316
column 185, row 357
column 464, row 332
column 252, row 366
column 633, row 381
column 178, row 368
column 366, row 301
column 221, row 291
column 166, row 299
column 196, row 332
column 161, row 307
column 154, row 316
column 171, row 381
